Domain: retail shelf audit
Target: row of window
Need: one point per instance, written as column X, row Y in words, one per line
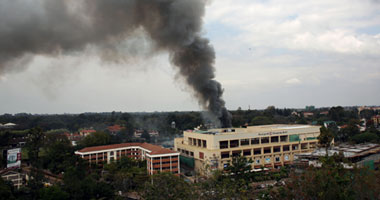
column 265, row 150
column 197, row 142
column 166, row 157
column 188, row 153
column 259, row 140
column 164, row 168
column 267, row 160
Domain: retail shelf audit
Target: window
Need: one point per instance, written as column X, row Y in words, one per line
column 304, row 146
column 201, row 155
column 225, row 154
column 258, row 161
column 277, row 149
column 284, row 138
column 285, row 148
column 234, row 143
column 274, row 139
column 191, row 153
column 204, row 142
column 223, row 144
column 236, row 153
column 295, row 147
column 244, row 142
column 199, row 142
column 178, row 149
column 247, row 152
column 267, row 150
column 255, row 141
column 264, row 140
column 111, row 153
column 277, row 159
column 257, row 151
column 190, row 141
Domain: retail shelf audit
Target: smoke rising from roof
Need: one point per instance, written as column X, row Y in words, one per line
column 54, row 27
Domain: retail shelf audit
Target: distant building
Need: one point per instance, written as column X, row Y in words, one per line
column 308, row 114
column 114, row 129
column 268, row 145
column 153, row 133
column 16, row 178
column 73, row 137
column 172, row 124
column 138, row 133
column 328, row 124
column 8, row 125
column 310, row 108
column 86, row 132
column 359, row 155
column 295, row 113
column 324, row 113
column 158, row 159
column 376, row 120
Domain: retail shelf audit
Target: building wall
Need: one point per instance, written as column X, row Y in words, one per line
column 155, row 163
column 278, row 151
column 163, row 163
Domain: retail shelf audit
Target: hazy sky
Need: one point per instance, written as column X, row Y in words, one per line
column 284, row 53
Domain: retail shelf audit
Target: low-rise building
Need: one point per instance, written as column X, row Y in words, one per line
column 268, row 145
column 358, row 154
column 15, row 177
column 86, row 132
column 376, row 120
column 114, row 129
column 158, row 159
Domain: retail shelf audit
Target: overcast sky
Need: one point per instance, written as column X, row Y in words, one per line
column 283, row 53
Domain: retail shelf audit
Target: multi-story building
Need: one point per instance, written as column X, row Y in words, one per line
column 268, row 146
column 158, row 159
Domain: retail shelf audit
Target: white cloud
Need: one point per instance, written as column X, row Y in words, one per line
column 293, row 81
column 324, row 25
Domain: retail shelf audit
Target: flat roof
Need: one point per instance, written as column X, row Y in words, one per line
column 154, row 149
column 347, row 150
column 254, row 129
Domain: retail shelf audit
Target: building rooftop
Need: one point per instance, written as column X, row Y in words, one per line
column 154, row 149
column 349, row 151
column 254, row 129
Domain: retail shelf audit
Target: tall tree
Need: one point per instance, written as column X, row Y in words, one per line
column 34, row 143
column 325, row 138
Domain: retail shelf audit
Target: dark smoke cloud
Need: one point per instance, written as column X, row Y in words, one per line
column 54, row 27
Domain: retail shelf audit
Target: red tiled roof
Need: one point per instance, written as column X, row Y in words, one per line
column 155, row 149
column 114, row 128
column 88, row 131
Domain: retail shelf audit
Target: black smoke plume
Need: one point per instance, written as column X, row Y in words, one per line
column 54, row 27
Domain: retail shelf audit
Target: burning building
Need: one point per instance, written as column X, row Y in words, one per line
column 268, row 146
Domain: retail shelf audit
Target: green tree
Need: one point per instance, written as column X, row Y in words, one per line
column 95, row 139
column 126, row 174
column 6, row 190
column 325, row 138
column 59, row 154
column 331, row 181
column 239, row 170
column 261, row 120
column 146, row 136
column 53, row 193
column 352, row 129
column 34, row 143
column 365, row 137
column 166, row 186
